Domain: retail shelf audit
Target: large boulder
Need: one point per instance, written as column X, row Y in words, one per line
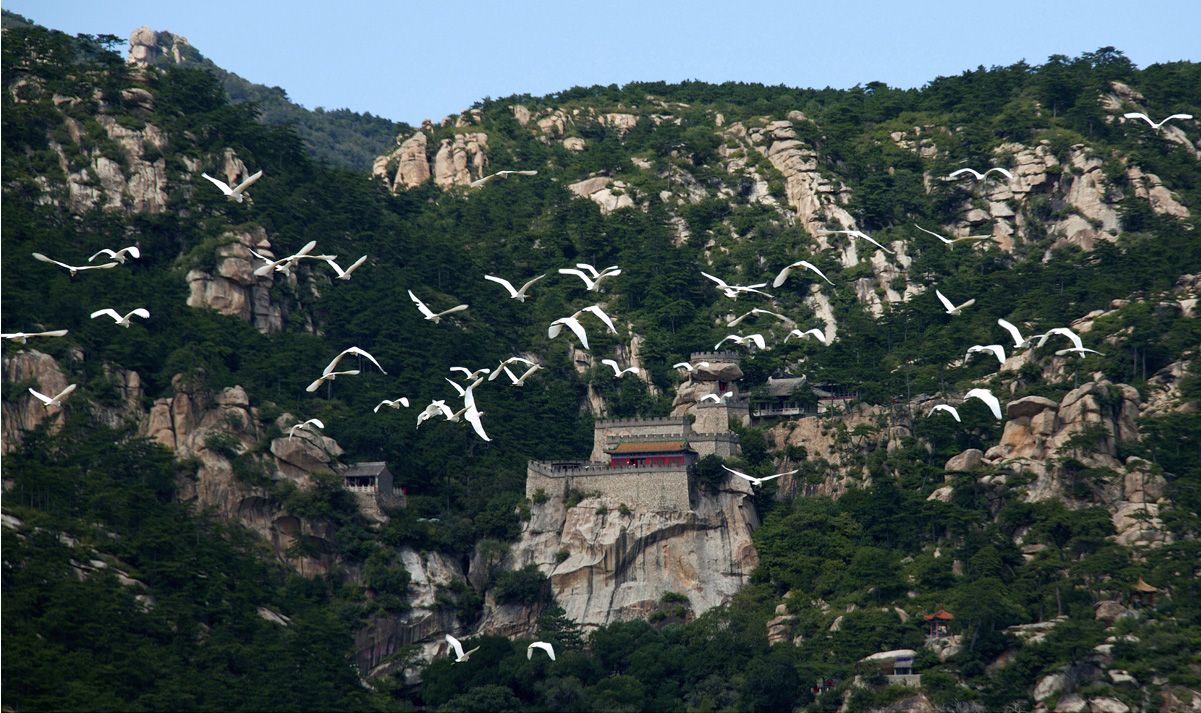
column 965, row 462
column 1029, row 406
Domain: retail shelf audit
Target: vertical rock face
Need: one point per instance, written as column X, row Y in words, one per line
column 23, row 412
column 219, row 430
column 233, row 288
column 618, row 565
column 814, row 197
column 424, row 622
column 412, row 164
column 461, row 161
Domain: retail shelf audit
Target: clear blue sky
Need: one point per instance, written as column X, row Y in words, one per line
column 414, row 60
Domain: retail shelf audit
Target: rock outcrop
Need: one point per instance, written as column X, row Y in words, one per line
column 816, row 199
column 610, row 195
column 410, row 161
column 218, row 434
column 232, row 288
column 607, row 562
column 462, row 160
column 22, row 412
column 146, row 47
column 423, row 624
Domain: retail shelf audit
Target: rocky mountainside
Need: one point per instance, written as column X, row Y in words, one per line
column 340, row 136
column 1034, row 529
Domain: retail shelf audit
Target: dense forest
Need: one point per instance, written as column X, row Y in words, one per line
column 120, row 596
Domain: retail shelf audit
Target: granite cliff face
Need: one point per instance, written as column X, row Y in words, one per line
column 232, row 288
column 608, row 562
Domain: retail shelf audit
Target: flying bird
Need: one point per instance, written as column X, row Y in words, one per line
column 757, row 481
column 952, row 309
column 717, row 398
column 234, row 194
column 984, row 395
column 501, row 174
column 859, row 234
column 56, row 400
column 518, row 295
column 435, row 408
column 780, row 278
column 20, row 337
column 122, row 321
column 590, row 276
column 461, row 390
column 306, row 425
column 600, row 314
column 345, row 274
column 618, row 372
column 550, row 650
column 571, row 323
column 1018, row 340
column 329, row 375
column 460, row 655
column 284, row 264
column 815, row 333
column 995, row 349
column 470, row 375
column 520, row 380
column 473, row 415
column 72, row 269
column 1075, row 338
column 950, row 242
column 430, row 314
column 980, row 176
column 395, row 404
column 689, row 367
column 511, row 360
column 118, row 255
column 756, row 310
column 351, row 350
column 732, row 291
column 1156, row 126
column 756, row 339
column 949, row 409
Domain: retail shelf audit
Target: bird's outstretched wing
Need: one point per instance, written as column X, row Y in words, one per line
column 503, row 283
column 421, row 305
column 588, row 282
column 1013, row 332
column 248, row 182
column 600, row 314
column 984, row 395
column 744, row 476
column 945, row 240
column 945, row 302
column 960, row 172
column 949, row 409
column 219, row 184
column 571, row 323
column 109, row 311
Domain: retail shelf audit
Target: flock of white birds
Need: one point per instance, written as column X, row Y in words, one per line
column 592, row 279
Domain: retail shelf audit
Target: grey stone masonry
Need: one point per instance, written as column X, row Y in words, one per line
column 655, row 489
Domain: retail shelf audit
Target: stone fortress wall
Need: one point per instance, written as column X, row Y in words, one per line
column 655, row 489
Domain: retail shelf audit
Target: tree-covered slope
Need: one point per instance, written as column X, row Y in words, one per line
column 666, row 181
